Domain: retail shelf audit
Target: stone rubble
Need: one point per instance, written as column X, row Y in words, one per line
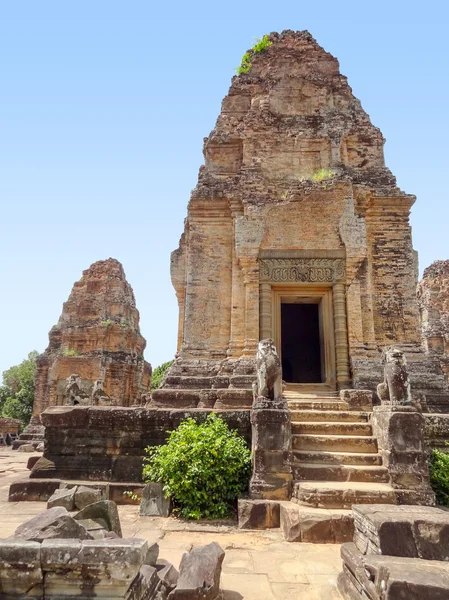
column 398, row 552
column 153, row 502
column 47, row 560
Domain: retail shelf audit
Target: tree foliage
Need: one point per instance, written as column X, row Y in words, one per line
column 17, row 391
column 203, row 468
column 158, row 375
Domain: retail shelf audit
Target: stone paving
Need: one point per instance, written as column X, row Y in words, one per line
column 258, row 565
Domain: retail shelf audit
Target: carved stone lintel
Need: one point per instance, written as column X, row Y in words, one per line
column 303, row 270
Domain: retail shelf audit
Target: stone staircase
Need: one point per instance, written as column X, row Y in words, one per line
column 335, row 457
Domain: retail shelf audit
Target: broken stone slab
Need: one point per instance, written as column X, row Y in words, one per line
column 154, row 503
column 152, row 555
column 146, row 585
column 315, row 525
column 103, row 511
column 199, row 574
column 407, row 531
column 64, row 497
column 32, row 461
column 25, row 448
column 20, row 569
column 258, row 514
column 391, row 578
column 167, row 573
column 85, row 496
column 53, row 523
column 40, row 447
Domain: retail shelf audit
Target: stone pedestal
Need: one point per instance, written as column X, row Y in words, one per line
column 272, row 450
column 400, row 436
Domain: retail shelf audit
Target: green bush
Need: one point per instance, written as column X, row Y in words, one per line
column 203, row 468
column 439, row 476
column 158, row 375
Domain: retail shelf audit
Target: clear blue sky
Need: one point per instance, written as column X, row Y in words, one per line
column 103, row 110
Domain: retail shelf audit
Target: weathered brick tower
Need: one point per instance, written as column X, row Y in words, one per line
column 296, row 231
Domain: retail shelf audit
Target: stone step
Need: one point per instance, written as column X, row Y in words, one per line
column 318, row 405
column 330, row 415
column 337, row 443
column 337, row 458
column 336, row 494
column 332, row 472
column 331, row 428
column 315, row 525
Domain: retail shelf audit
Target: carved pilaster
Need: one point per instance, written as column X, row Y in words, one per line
column 237, row 338
column 341, row 336
column 251, row 280
column 265, row 325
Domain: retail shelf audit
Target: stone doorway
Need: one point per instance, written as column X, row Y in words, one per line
column 301, row 341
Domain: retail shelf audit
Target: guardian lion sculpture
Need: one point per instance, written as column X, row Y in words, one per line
column 395, row 388
column 269, row 373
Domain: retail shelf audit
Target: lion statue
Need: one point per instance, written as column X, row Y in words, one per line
column 395, row 388
column 269, row 373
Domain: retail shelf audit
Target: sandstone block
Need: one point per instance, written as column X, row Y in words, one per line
column 64, row 497
column 391, row 578
column 85, row 496
column 167, row 573
column 316, row 526
column 154, row 503
column 32, row 461
column 26, row 448
column 104, row 512
column 357, row 399
column 258, row 514
column 62, row 567
column 40, row 447
column 53, row 523
column 152, row 555
column 406, row 531
column 199, row 574
column 20, row 569
column 32, row 490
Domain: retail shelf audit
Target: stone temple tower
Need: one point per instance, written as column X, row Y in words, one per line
column 296, row 231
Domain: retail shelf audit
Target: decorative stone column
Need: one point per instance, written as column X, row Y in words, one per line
column 341, row 336
column 251, row 281
column 400, row 437
column 266, row 329
column 237, row 337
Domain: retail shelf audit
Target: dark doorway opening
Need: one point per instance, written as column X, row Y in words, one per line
column 300, row 343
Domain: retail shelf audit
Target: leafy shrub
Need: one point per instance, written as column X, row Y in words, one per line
column 158, row 375
column 106, row 323
column 203, row 468
column 322, row 175
column 260, row 45
column 17, row 391
column 439, row 476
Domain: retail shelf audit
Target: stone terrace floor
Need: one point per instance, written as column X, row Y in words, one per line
column 257, row 566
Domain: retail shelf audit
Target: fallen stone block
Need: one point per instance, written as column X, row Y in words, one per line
column 20, row 569
column 32, row 461
column 199, row 574
column 168, row 574
column 376, row 577
column 406, row 531
column 154, row 503
column 32, row 490
column 104, row 512
column 315, row 525
column 146, row 585
column 85, row 496
column 65, row 498
column 152, row 555
column 26, row 448
column 258, row 514
column 40, row 447
column 53, row 523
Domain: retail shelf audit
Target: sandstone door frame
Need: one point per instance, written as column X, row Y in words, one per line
column 309, row 294
column 319, row 274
